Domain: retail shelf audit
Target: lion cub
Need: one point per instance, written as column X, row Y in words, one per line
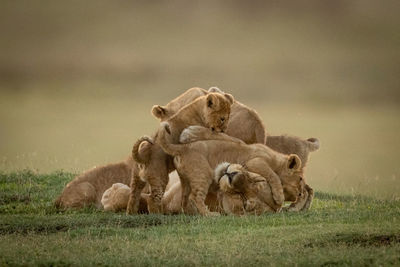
column 284, row 144
column 244, row 122
column 243, row 192
column 211, row 111
column 195, row 163
column 87, row 188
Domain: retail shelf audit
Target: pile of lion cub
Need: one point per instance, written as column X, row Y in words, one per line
column 210, row 155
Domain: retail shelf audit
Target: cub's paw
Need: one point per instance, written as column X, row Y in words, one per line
column 192, row 133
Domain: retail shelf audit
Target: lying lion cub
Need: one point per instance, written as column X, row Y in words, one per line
column 87, row 189
column 196, row 161
column 211, row 111
column 243, row 192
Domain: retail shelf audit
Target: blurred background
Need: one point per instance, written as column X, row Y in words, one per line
column 78, row 79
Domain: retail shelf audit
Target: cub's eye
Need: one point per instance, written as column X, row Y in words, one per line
column 301, row 178
column 222, row 119
column 212, row 129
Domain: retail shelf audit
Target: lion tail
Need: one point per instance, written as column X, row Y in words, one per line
column 135, row 150
column 167, row 146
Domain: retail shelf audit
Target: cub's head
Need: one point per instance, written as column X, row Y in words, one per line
column 241, row 191
column 292, row 177
column 163, row 113
column 116, row 197
column 216, row 110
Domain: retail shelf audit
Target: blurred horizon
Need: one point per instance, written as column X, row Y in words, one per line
column 342, row 51
column 78, row 79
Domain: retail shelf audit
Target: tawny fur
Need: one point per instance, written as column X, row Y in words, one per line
column 165, row 112
column 196, row 161
column 284, row 144
column 116, row 198
column 242, row 192
column 231, row 202
column 211, row 111
column 244, row 122
column 87, row 188
column 288, row 144
column 249, row 193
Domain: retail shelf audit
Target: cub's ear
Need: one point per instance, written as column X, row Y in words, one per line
column 230, row 98
column 159, row 112
column 211, row 100
column 215, row 89
column 294, row 162
column 313, row 144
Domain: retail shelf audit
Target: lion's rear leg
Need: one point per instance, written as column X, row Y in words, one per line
column 185, row 192
column 137, row 185
column 154, row 201
column 157, row 186
column 199, row 189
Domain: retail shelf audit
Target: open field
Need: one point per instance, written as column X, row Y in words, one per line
column 338, row 230
column 78, row 80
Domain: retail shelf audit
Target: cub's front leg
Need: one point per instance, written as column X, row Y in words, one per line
column 260, row 166
column 137, row 185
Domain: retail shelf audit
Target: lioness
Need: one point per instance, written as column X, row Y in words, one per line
column 243, row 192
column 196, row 161
column 211, row 111
column 284, row 144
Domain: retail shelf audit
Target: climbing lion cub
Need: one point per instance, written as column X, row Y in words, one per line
column 211, row 111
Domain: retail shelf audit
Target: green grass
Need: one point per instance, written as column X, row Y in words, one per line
column 338, row 230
